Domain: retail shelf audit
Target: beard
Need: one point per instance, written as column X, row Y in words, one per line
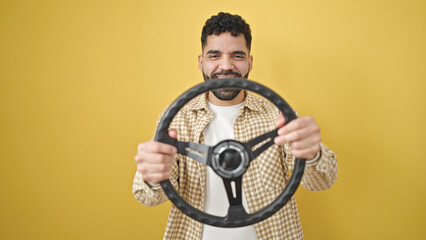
column 224, row 94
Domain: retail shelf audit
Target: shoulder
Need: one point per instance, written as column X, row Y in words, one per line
column 190, row 116
column 192, row 107
column 260, row 105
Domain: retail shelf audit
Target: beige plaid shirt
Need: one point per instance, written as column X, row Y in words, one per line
column 262, row 183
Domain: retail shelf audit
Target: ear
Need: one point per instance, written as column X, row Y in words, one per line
column 250, row 62
column 200, row 62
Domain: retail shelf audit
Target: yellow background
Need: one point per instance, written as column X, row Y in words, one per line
column 82, row 83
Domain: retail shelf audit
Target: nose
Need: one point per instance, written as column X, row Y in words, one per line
column 226, row 63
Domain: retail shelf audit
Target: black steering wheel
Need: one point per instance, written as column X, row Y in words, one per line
column 229, row 159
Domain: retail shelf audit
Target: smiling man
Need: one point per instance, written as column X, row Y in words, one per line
column 232, row 114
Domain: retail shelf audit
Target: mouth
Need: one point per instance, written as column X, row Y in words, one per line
column 226, row 76
column 223, row 74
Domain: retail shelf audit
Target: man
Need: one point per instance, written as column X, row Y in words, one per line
column 232, row 114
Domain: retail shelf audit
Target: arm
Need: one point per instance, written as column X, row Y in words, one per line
column 155, row 162
column 145, row 194
column 302, row 140
column 320, row 174
column 151, row 194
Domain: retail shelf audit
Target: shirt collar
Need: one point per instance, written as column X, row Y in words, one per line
column 200, row 102
column 251, row 102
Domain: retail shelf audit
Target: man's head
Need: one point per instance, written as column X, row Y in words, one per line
column 226, row 43
column 226, row 22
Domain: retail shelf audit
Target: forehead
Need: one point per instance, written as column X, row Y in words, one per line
column 225, row 42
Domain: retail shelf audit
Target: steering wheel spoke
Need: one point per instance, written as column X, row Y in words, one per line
column 233, row 190
column 199, row 152
column 260, row 143
column 235, row 195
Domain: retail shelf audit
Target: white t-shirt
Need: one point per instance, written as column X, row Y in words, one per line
column 216, row 200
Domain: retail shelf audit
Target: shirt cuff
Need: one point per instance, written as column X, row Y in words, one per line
column 315, row 159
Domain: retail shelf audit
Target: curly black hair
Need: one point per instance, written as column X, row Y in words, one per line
column 226, row 22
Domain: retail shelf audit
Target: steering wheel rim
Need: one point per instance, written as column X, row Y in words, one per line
column 236, row 217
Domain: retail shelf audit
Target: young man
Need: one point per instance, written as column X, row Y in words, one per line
column 232, row 114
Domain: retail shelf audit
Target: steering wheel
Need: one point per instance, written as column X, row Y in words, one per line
column 229, row 159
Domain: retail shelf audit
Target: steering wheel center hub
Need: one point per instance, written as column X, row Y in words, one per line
column 230, row 159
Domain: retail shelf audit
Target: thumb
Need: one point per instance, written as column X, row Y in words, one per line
column 173, row 133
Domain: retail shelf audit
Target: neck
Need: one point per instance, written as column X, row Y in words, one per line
column 216, row 101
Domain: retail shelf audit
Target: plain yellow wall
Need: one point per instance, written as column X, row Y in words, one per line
column 82, row 83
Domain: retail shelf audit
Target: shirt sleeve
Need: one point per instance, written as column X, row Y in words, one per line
column 319, row 175
column 146, row 195
column 151, row 196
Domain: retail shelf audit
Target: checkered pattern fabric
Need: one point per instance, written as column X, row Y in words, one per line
column 262, row 183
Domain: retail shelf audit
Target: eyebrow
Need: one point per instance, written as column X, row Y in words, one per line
column 239, row 52
column 213, row 51
column 234, row 52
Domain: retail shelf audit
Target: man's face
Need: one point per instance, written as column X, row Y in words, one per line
column 225, row 56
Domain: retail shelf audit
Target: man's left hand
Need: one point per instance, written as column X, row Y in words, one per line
column 302, row 134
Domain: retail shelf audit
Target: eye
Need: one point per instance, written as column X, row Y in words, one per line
column 239, row 56
column 213, row 56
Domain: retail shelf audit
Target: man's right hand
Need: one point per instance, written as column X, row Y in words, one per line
column 154, row 159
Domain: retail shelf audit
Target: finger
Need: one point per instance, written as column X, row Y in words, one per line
column 306, row 153
column 155, row 177
column 154, row 158
column 280, row 120
column 157, row 147
column 293, row 136
column 148, row 168
column 173, row 133
column 292, row 126
column 306, row 143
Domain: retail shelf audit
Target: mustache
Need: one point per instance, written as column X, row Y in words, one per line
column 225, row 73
